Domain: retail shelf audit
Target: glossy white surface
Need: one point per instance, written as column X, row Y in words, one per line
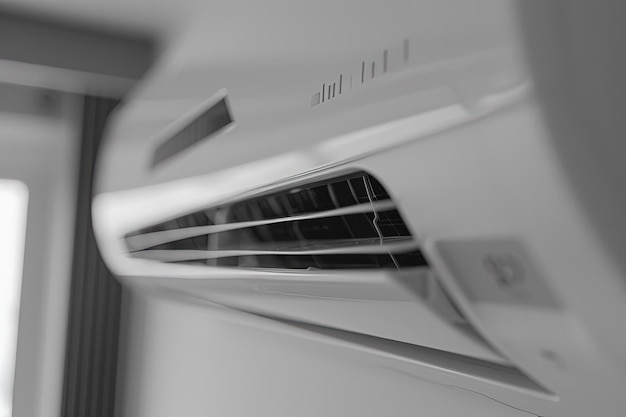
column 465, row 137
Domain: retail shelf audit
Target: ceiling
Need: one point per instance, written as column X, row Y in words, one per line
column 158, row 17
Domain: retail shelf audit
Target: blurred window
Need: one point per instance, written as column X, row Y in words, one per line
column 13, row 212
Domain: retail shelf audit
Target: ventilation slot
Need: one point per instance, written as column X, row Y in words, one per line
column 346, row 222
column 208, row 123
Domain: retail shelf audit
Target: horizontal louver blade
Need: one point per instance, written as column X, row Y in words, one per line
column 181, row 255
column 147, row 240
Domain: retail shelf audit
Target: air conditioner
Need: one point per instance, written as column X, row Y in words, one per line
column 436, row 183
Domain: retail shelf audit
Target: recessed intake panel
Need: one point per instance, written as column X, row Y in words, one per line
column 211, row 121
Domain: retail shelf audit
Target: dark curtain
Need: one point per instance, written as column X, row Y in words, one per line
column 95, row 298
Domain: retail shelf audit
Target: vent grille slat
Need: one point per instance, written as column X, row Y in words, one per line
column 171, row 231
column 345, row 222
column 183, row 254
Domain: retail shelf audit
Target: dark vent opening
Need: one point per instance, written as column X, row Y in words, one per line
column 390, row 223
column 314, row 198
column 199, row 218
column 192, row 243
column 206, row 124
column 338, row 223
column 343, row 194
column 409, row 259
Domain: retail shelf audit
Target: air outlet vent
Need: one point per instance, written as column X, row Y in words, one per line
column 344, row 222
column 206, row 124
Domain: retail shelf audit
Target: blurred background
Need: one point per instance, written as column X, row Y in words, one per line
column 292, row 208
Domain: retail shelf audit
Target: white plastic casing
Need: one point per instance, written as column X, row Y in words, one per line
column 499, row 154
